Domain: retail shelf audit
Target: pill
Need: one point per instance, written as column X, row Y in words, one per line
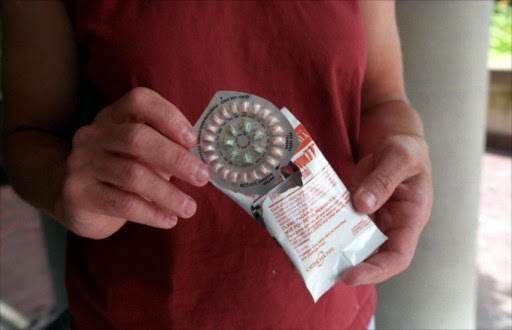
column 257, row 135
column 277, row 130
column 247, row 158
column 272, row 120
column 232, row 155
column 244, row 107
column 231, row 129
column 211, row 158
column 208, row 138
column 234, row 108
column 216, row 167
column 258, row 149
column 233, row 177
column 224, row 112
column 264, row 113
column 278, row 141
column 208, row 148
column 228, row 143
column 246, row 126
column 212, row 128
column 243, row 178
column 254, row 175
column 271, row 161
column 224, row 173
column 277, row 152
column 255, row 109
column 264, row 169
column 217, row 120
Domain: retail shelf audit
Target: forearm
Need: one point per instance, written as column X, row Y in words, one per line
column 35, row 162
column 386, row 119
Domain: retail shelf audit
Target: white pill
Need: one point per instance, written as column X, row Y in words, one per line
column 277, row 152
column 278, row 141
column 272, row 120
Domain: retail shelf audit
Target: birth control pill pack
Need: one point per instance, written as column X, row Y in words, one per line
column 265, row 160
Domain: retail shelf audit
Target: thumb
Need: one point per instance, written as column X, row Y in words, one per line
column 378, row 186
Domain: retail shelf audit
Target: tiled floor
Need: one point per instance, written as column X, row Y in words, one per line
column 25, row 284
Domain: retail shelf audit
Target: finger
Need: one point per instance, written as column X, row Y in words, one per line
column 137, row 178
column 380, row 184
column 115, row 202
column 363, row 168
column 149, row 146
column 392, row 258
column 145, row 105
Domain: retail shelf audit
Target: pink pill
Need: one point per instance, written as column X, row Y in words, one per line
column 225, row 113
column 208, row 148
column 217, row 120
column 224, row 173
column 271, row 121
column 277, row 152
column 278, row 141
column 255, row 108
column 264, row 169
column 277, row 130
column 243, row 178
column 212, row 128
column 234, row 108
column 208, row 138
column 216, row 167
column 264, row 113
column 233, row 177
column 254, row 175
column 271, row 161
column 245, row 106
column 211, row 158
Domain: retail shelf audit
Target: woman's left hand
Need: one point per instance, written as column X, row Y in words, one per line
column 394, row 183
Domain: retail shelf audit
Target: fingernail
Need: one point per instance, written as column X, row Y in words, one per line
column 189, row 135
column 368, row 198
column 189, row 207
column 202, row 174
column 171, row 220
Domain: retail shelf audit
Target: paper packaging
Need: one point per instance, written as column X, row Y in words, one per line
column 301, row 201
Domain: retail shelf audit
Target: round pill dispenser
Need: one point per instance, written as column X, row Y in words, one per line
column 245, row 140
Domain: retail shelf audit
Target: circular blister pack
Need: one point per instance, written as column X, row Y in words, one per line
column 245, row 140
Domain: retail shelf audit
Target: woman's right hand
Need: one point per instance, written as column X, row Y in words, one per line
column 120, row 165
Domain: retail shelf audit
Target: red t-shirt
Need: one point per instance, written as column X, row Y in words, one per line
column 220, row 268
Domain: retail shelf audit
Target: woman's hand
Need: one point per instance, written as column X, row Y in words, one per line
column 395, row 185
column 120, row 165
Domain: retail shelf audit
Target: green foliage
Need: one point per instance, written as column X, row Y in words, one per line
column 501, row 30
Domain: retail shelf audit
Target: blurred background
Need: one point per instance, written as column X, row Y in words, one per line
column 458, row 70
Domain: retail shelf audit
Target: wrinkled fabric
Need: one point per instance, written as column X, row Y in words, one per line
column 220, row 268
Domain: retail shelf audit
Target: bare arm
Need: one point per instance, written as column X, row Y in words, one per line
column 393, row 176
column 39, row 80
column 114, row 170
